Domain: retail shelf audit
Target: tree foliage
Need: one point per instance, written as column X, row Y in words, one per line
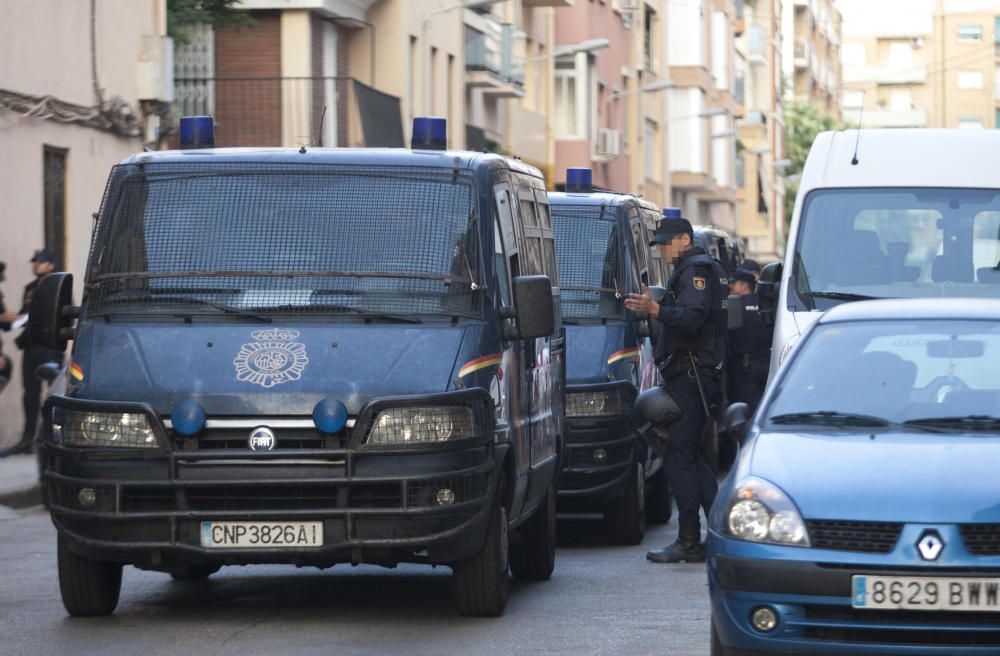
column 802, row 124
column 182, row 14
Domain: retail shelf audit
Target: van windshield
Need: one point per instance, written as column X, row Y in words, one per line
column 589, row 247
column 273, row 239
column 895, row 243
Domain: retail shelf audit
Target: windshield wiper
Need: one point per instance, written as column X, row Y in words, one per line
column 361, row 312
column 843, row 296
column 222, row 307
column 829, row 418
column 968, row 422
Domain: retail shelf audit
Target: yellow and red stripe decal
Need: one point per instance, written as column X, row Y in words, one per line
column 624, row 354
column 76, row 371
column 480, row 363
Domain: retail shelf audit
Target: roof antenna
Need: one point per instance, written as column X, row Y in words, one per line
column 318, row 141
column 857, row 141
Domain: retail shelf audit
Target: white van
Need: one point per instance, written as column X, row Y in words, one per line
column 888, row 214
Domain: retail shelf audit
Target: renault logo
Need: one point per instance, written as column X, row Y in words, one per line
column 262, row 439
column 930, row 545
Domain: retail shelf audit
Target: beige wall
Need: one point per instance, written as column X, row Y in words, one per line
column 45, row 49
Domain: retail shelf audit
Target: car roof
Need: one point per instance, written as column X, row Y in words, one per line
column 599, row 198
column 915, row 308
column 901, row 157
column 353, row 156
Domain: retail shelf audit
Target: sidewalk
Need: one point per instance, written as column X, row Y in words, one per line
column 19, row 487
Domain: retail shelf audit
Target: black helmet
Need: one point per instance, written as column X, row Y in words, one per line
column 654, row 411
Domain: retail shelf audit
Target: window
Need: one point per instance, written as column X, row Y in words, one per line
column 996, row 30
column 54, row 192
column 651, row 148
column 970, row 80
column 970, row 33
column 566, row 99
column 900, row 54
column 970, row 122
column 901, row 100
column 853, row 99
column 649, row 39
column 852, row 54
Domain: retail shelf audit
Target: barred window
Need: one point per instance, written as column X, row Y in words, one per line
column 286, row 239
column 589, row 245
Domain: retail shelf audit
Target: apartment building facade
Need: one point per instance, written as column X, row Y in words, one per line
column 82, row 86
column 812, row 35
column 929, row 64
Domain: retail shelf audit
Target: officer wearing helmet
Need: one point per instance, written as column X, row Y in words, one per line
column 691, row 351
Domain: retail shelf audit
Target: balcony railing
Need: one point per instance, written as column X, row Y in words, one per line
column 497, row 48
column 292, row 111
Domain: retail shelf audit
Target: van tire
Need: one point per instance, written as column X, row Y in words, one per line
column 481, row 583
column 625, row 518
column 89, row 588
column 533, row 557
column 658, row 503
column 194, row 572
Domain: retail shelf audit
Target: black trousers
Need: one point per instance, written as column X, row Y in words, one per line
column 747, row 380
column 34, row 357
column 692, row 481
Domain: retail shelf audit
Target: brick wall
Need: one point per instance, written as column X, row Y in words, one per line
column 248, row 111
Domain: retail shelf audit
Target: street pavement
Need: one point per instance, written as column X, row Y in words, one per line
column 601, row 600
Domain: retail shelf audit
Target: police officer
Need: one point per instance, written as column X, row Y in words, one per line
column 749, row 351
column 35, row 355
column 753, row 267
column 6, row 365
column 692, row 351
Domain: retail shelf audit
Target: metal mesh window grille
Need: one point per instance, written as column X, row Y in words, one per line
column 286, row 239
column 591, row 273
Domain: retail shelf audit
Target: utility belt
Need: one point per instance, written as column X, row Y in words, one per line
column 686, row 363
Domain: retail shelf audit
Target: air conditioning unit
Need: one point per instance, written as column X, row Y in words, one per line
column 622, row 6
column 609, row 142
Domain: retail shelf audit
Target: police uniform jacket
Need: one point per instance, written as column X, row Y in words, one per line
column 693, row 312
column 750, row 344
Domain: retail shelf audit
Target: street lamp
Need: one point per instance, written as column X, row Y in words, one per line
column 652, row 87
column 425, row 23
column 590, row 46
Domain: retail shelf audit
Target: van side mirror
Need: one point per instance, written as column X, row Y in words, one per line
column 642, row 327
column 735, row 420
column 533, row 308
column 768, row 291
column 657, row 293
column 52, row 313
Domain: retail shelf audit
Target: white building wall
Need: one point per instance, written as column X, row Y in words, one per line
column 722, row 48
column 686, row 41
column 687, row 130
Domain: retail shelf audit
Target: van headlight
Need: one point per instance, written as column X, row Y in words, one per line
column 600, row 403
column 760, row 511
column 422, row 425
column 787, row 348
column 130, row 430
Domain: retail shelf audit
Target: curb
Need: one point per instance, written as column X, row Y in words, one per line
column 22, row 497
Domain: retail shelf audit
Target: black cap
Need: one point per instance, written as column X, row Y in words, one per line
column 750, row 265
column 745, row 275
column 42, row 255
column 667, row 229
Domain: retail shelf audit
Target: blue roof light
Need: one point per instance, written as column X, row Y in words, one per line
column 671, row 212
column 579, row 181
column 197, row 132
column 429, row 133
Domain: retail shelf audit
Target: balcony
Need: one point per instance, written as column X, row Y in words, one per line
column 802, row 53
column 888, row 75
column 886, row 118
column 292, row 111
column 494, row 56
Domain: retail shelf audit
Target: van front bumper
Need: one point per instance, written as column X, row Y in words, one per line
column 376, row 505
column 600, row 459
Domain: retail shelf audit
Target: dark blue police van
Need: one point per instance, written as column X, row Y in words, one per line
column 602, row 242
column 311, row 356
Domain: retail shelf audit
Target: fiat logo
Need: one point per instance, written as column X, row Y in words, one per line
column 262, row 439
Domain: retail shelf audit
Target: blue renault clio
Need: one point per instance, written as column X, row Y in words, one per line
column 863, row 513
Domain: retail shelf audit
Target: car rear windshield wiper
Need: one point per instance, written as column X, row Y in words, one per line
column 829, row 418
column 968, row 422
column 222, row 307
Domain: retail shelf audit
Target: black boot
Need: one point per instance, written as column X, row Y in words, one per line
column 686, row 549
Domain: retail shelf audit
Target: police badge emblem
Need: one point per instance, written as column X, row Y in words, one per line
column 699, row 283
column 272, row 359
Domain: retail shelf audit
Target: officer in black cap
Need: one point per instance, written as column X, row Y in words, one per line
column 691, row 352
column 749, row 352
column 43, row 263
column 753, row 267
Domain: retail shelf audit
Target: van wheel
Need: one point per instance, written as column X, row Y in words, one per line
column 625, row 518
column 658, row 506
column 194, row 572
column 481, row 583
column 88, row 587
column 534, row 557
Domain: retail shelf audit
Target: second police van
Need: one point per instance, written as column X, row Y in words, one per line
column 308, row 356
column 603, row 249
